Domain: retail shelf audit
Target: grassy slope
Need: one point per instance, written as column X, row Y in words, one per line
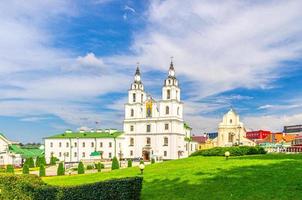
column 249, row 177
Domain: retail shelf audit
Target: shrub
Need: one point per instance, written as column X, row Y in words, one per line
column 31, row 187
column 81, row 168
column 141, row 162
column 61, row 169
column 102, row 166
column 42, row 171
column 234, row 151
column 152, row 161
column 53, row 160
column 115, row 164
column 31, row 162
column 98, row 166
column 129, row 163
column 43, row 160
column 10, row 169
column 89, row 167
column 25, row 169
column 38, row 161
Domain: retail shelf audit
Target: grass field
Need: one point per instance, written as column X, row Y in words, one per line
column 247, row 177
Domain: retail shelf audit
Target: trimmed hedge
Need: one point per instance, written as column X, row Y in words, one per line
column 81, row 168
column 129, row 163
column 25, row 169
column 42, row 171
column 61, row 169
column 31, row 187
column 98, row 166
column 10, row 169
column 115, row 164
column 53, row 160
column 234, row 151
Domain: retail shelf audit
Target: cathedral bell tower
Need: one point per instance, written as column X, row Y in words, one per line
column 136, row 93
column 170, row 90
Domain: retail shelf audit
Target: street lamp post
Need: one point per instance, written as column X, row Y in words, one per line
column 142, row 167
column 227, row 155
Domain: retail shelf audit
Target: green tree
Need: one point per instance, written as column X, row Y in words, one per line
column 10, row 169
column 25, row 169
column 115, row 164
column 81, row 168
column 98, row 166
column 152, row 161
column 61, row 169
column 43, row 160
column 31, row 162
column 129, row 163
column 53, row 160
column 38, row 161
column 42, row 171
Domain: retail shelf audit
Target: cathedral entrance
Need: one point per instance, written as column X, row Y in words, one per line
column 146, row 154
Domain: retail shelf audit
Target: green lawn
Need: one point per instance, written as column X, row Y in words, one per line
column 247, row 177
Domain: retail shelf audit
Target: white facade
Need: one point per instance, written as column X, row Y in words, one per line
column 232, row 132
column 7, row 157
column 155, row 128
column 75, row 149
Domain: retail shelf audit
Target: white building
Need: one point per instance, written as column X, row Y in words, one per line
column 11, row 153
column 231, row 131
column 156, row 128
column 84, row 146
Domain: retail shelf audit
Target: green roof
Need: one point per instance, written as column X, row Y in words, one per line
column 96, row 153
column 85, row 135
column 26, row 152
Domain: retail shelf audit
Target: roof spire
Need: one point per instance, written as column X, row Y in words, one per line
column 171, row 64
column 137, row 72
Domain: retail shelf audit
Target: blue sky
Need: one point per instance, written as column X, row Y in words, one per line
column 67, row 64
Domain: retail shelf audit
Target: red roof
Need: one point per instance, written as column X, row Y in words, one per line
column 199, row 138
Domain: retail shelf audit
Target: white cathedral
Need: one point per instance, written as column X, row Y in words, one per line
column 156, row 129
column 152, row 129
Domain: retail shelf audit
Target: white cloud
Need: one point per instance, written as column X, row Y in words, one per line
column 218, row 46
column 271, row 122
column 221, row 47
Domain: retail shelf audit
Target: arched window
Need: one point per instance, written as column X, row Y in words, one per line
column 178, row 111
column 148, row 141
column 131, row 141
column 168, row 94
column 166, row 141
column 167, row 110
column 132, row 112
column 134, row 97
column 231, row 121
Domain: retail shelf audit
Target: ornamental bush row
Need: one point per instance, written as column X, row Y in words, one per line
column 31, row 187
column 234, row 151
